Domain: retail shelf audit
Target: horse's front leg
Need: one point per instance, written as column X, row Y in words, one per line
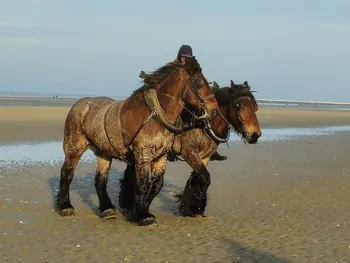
column 193, row 200
column 138, row 211
column 156, row 183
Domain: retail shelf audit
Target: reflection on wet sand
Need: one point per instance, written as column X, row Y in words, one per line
column 51, row 153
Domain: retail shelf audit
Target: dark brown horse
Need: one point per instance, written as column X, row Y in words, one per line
column 133, row 131
column 238, row 107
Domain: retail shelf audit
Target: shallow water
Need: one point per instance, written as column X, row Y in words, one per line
column 51, row 153
column 284, row 134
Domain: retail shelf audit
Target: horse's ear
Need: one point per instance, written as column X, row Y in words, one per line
column 245, row 83
column 215, row 85
column 142, row 74
column 232, row 84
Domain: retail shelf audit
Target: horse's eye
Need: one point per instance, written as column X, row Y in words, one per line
column 214, row 113
column 237, row 105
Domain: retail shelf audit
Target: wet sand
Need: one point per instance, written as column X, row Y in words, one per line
column 285, row 201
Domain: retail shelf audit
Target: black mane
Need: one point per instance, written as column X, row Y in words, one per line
column 227, row 94
column 151, row 80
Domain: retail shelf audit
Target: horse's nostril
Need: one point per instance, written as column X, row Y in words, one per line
column 255, row 136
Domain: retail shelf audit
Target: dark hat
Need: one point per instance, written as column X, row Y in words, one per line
column 185, row 50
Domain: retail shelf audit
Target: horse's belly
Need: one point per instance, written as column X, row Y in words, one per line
column 195, row 140
column 163, row 146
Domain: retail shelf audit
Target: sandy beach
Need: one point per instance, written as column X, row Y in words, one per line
column 277, row 201
column 27, row 120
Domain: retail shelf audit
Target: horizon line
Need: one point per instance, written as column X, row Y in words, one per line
column 50, row 95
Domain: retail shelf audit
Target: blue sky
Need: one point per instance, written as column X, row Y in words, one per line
column 285, row 49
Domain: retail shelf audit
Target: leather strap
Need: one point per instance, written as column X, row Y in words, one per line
column 153, row 104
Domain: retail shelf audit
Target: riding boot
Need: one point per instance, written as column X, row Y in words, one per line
column 217, row 157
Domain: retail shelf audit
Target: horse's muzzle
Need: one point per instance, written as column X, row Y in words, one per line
column 254, row 138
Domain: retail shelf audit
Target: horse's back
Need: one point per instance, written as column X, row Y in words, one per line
column 87, row 120
column 81, row 110
column 84, row 105
column 90, row 102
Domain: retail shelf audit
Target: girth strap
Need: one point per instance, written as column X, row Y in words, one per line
column 106, row 132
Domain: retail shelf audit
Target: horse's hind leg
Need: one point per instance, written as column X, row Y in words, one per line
column 193, row 201
column 127, row 187
column 73, row 152
column 106, row 207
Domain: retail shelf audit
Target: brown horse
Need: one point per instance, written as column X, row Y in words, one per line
column 238, row 107
column 133, row 131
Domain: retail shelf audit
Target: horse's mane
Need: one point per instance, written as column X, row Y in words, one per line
column 227, row 94
column 151, row 80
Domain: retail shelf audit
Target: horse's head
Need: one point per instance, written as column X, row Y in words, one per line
column 243, row 111
column 184, row 82
column 240, row 105
column 197, row 92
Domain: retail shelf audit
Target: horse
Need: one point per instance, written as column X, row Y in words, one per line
column 138, row 130
column 238, row 107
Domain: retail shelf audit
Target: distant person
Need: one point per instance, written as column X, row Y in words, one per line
column 185, row 51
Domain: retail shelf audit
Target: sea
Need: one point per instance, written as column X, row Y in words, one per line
column 4, row 101
column 30, row 152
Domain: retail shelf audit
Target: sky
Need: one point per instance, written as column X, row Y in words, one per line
column 297, row 50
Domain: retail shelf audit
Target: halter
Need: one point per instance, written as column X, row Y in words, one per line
column 240, row 121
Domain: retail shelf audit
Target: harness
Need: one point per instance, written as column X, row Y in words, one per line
column 152, row 102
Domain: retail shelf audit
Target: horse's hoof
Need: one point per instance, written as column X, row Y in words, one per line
column 149, row 221
column 149, row 215
column 199, row 215
column 109, row 214
column 67, row 212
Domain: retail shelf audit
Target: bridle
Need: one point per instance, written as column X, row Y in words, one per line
column 206, row 118
column 237, row 108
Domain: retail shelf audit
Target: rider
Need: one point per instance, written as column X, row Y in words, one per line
column 185, row 51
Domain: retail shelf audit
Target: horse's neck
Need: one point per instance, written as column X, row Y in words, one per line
column 169, row 98
column 219, row 124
